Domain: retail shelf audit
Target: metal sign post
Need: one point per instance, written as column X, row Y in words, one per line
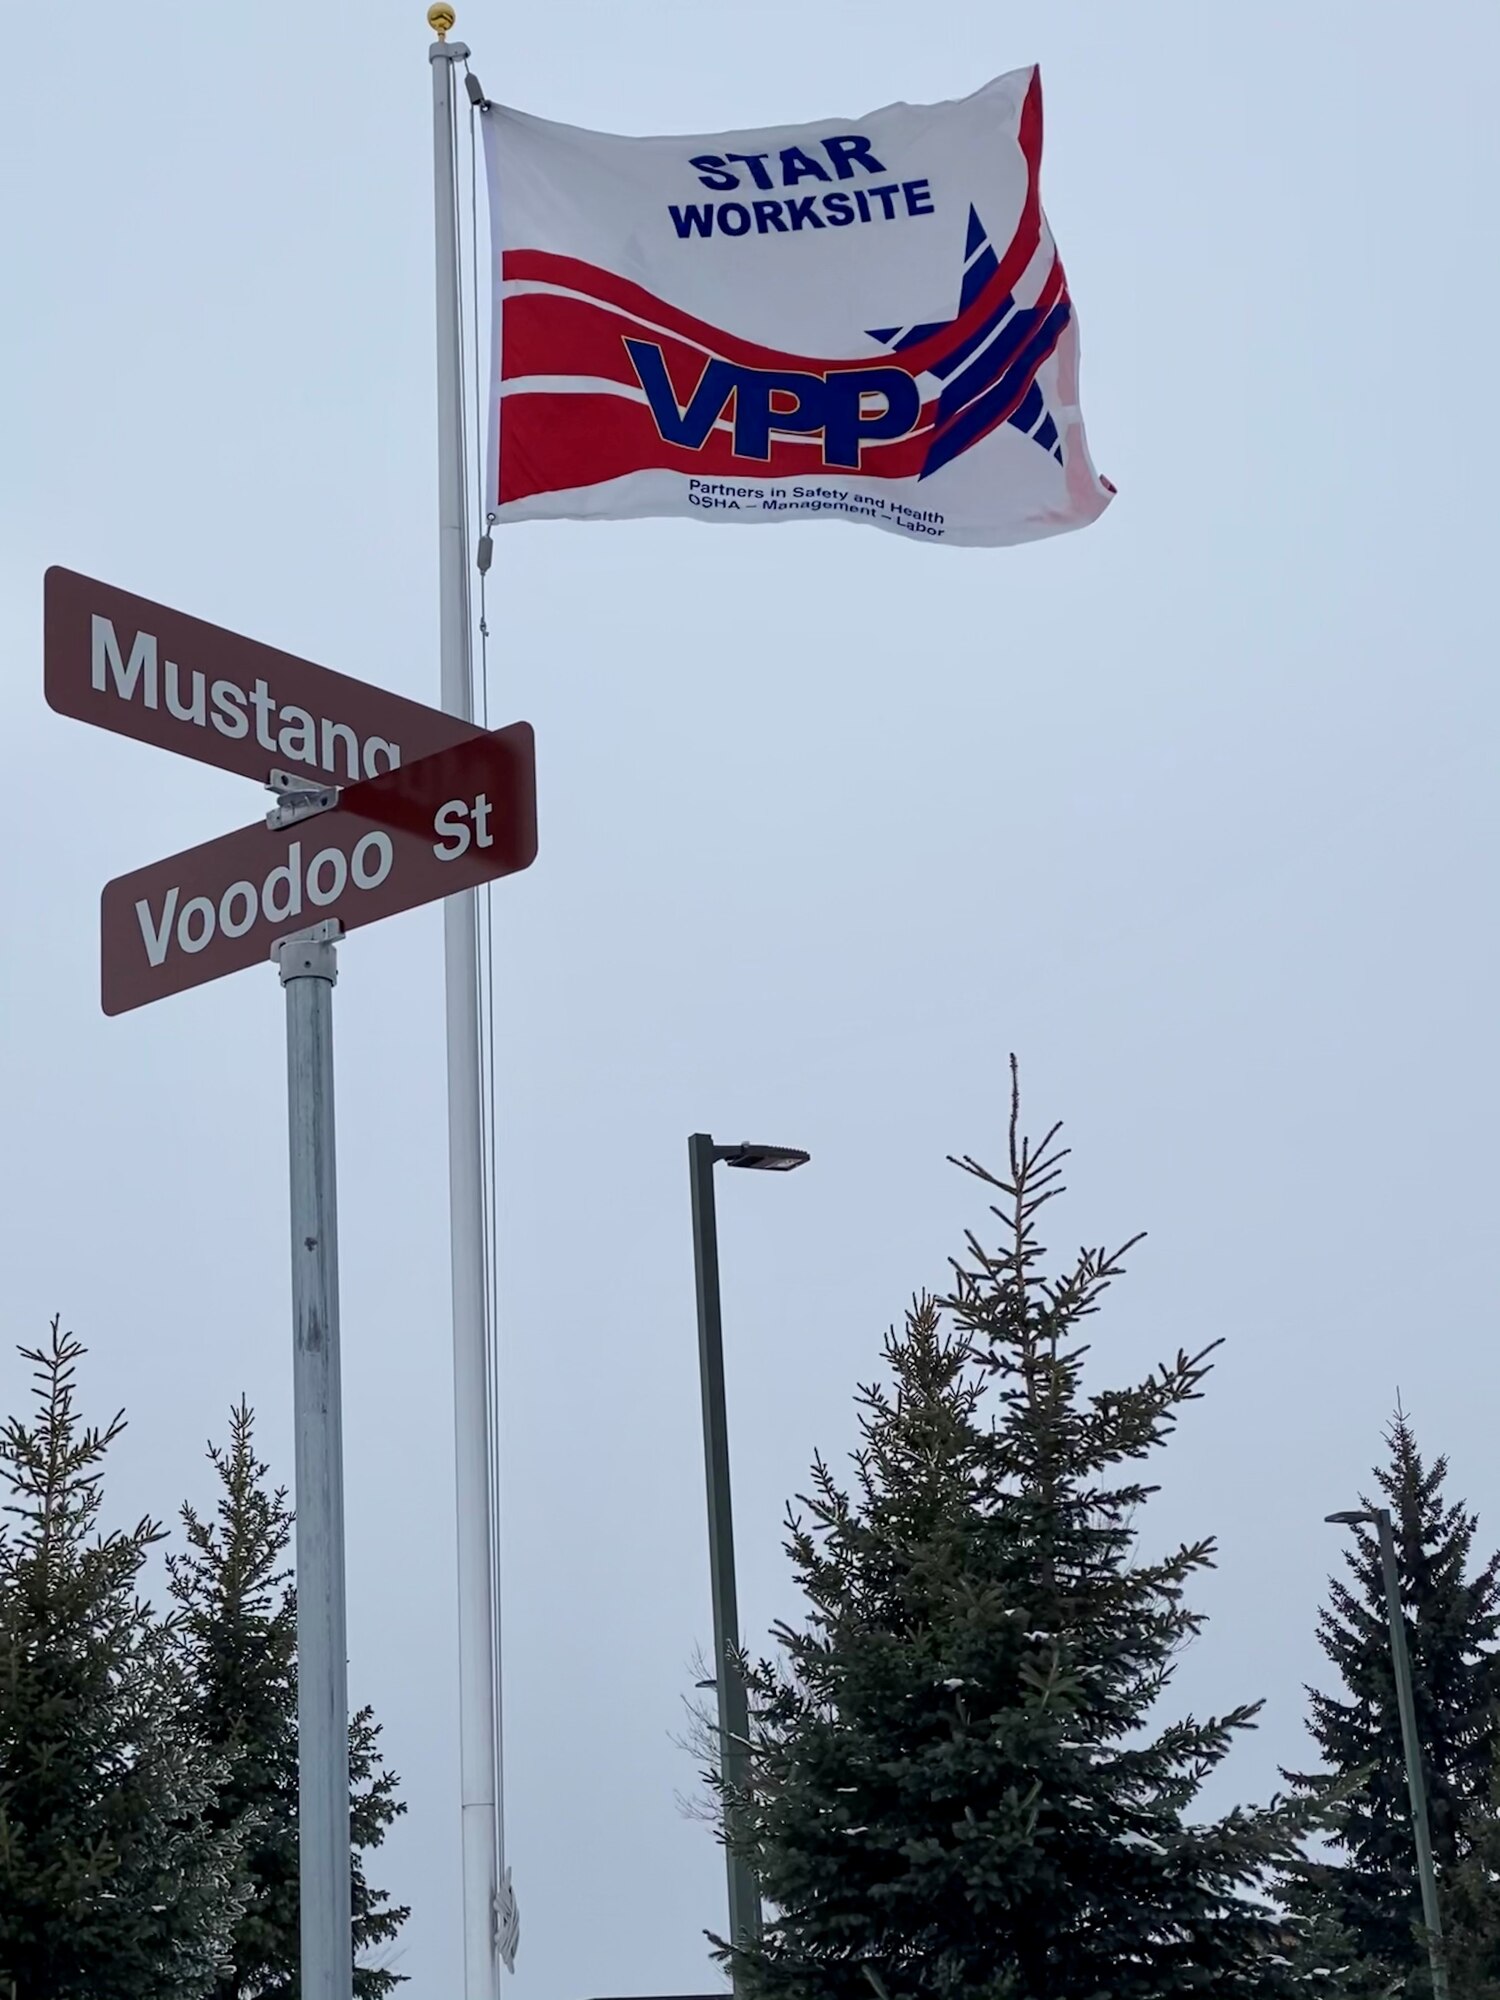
column 383, row 805
column 309, row 967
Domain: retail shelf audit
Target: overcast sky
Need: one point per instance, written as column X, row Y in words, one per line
column 1194, row 810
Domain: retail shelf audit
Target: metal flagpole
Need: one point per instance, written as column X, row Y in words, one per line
column 484, row 1884
column 309, row 967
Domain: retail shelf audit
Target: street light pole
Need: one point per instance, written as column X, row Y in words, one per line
column 1432, row 1917
column 733, row 1700
column 734, row 1706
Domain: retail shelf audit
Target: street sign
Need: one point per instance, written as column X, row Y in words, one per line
column 140, row 669
column 427, row 829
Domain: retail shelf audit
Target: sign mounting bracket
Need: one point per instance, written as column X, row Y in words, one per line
column 296, row 800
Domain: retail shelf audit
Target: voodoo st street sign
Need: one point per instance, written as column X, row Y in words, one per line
column 451, row 821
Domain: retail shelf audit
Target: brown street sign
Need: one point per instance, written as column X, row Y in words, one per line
column 140, row 669
column 427, row 829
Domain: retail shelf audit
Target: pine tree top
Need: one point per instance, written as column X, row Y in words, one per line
column 52, row 1469
column 114, row 1879
column 960, row 1784
column 237, row 1626
column 236, row 1557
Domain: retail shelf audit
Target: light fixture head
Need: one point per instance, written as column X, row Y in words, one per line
column 1351, row 1517
column 764, row 1159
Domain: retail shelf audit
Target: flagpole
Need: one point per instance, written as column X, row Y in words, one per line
column 477, row 1620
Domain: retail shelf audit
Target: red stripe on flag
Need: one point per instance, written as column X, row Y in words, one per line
column 555, row 443
column 574, row 275
column 551, row 336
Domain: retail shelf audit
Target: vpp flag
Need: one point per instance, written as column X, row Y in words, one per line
column 863, row 321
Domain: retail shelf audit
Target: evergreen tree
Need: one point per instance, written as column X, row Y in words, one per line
column 116, row 1881
column 1471, row 1907
column 1326, row 1963
column 1368, row 1885
column 959, row 1789
column 238, row 1634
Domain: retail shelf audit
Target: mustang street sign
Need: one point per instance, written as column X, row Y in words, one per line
column 143, row 670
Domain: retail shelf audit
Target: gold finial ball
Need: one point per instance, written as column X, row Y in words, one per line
column 440, row 20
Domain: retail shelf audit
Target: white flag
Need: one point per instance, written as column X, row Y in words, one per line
column 860, row 321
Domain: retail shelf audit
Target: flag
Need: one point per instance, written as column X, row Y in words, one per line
column 863, row 321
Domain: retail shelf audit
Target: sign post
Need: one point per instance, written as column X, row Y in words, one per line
column 384, row 805
column 309, row 967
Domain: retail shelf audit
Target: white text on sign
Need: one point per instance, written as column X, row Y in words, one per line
column 287, row 892
column 295, row 888
column 453, row 820
column 449, row 821
column 289, row 733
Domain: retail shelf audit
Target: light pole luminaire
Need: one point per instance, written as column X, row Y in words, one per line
column 733, row 1701
column 1432, row 1919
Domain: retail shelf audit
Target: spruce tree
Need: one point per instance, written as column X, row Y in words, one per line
column 238, row 1638
column 1326, row 1963
column 117, row 1880
column 1368, row 1885
column 959, row 1786
column 1471, row 1907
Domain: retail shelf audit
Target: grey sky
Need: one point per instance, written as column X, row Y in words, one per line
column 1195, row 810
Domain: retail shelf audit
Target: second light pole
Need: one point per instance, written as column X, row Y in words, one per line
column 1379, row 1518
column 734, row 1706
